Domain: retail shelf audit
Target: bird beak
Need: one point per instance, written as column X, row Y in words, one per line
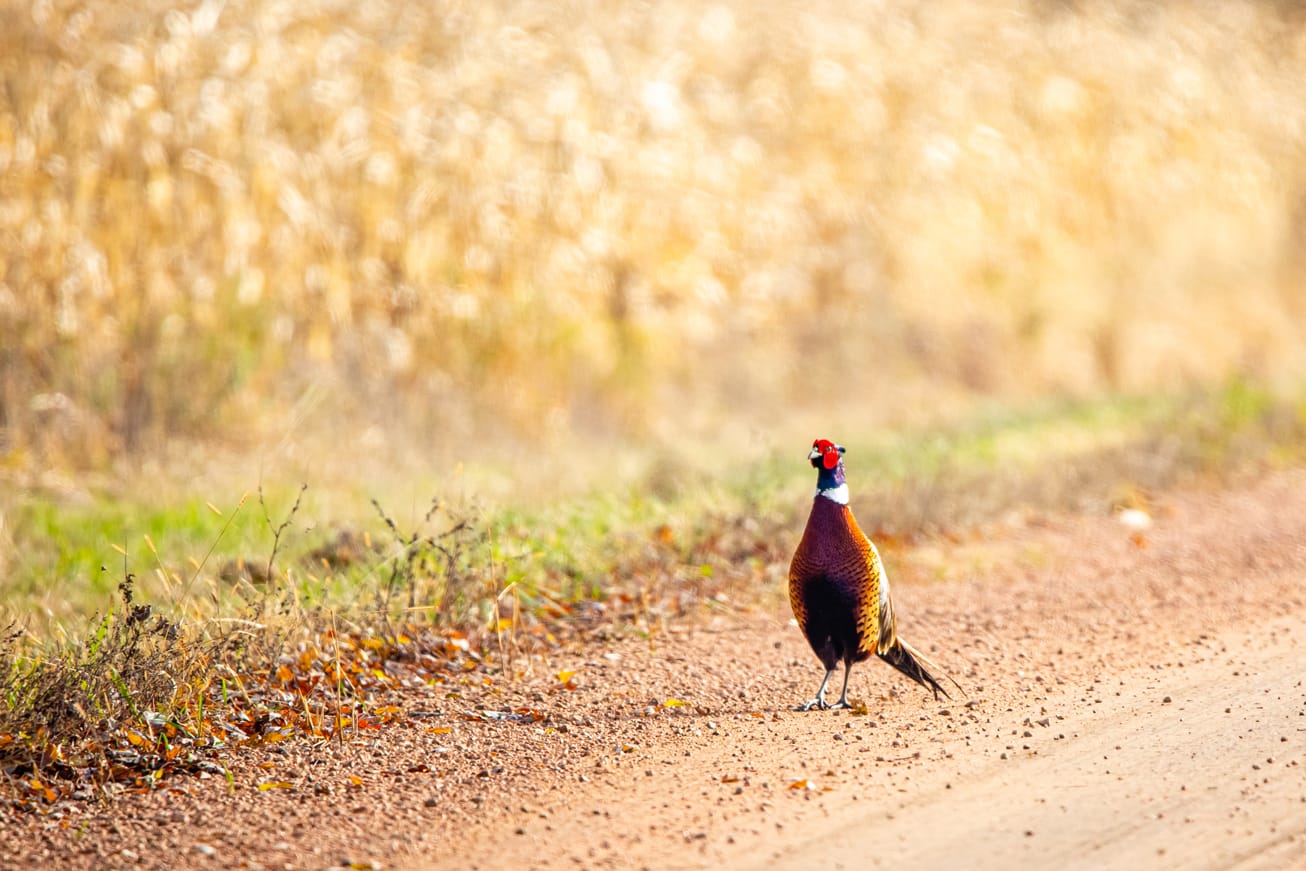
column 814, row 454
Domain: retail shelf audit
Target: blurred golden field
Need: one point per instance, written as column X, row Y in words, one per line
column 422, row 229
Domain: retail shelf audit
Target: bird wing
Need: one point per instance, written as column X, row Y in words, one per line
column 887, row 634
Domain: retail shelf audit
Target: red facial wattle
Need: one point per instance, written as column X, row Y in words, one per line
column 829, row 452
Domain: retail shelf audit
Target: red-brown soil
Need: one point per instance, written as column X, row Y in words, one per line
column 1131, row 701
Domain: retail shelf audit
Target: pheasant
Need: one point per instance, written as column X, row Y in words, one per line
column 839, row 592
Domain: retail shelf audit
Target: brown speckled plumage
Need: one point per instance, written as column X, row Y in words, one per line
column 839, row 592
column 834, row 587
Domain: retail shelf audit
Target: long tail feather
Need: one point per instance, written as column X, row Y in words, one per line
column 913, row 663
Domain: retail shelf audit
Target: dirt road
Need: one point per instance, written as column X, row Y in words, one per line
column 1188, row 768
column 1132, row 701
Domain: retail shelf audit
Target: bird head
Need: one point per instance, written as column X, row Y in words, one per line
column 825, row 455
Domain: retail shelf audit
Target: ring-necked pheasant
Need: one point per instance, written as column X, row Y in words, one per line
column 839, row 592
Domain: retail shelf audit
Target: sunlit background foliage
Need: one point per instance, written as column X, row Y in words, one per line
column 419, row 224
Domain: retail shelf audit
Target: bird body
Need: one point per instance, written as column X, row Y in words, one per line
column 838, row 589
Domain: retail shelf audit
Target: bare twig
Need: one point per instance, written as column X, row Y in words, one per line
column 276, row 531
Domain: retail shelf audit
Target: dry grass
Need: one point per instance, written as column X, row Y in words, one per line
column 133, row 667
column 129, row 663
column 660, row 221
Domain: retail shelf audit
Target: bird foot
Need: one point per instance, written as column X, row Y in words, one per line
column 822, row 705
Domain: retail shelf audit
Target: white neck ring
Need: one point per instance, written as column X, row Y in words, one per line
column 836, row 494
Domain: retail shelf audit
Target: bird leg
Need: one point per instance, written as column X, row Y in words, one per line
column 819, row 701
column 843, row 696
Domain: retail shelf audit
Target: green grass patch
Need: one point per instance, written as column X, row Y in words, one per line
column 70, row 555
column 453, row 564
